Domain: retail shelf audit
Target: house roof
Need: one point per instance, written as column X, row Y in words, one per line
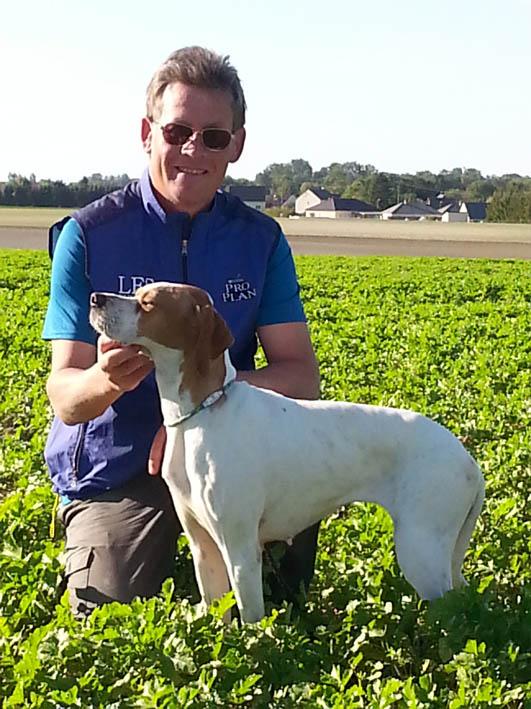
column 450, row 207
column 339, row 204
column 290, row 201
column 248, row 193
column 444, row 201
column 320, row 192
column 410, row 209
column 476, row 210
column 427, row 193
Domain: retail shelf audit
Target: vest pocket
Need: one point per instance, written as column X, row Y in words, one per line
column 76, row 454
column 63, row 452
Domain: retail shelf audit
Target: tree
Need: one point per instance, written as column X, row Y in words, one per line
column 375, row 188
column 285, row 179
column 31, row 192
column 302, row 170
column 236, row 181
column 470, row 175
column 480, row 190
column 511, row 203
column 337, row 179
column 450, row 179
column 308, row 185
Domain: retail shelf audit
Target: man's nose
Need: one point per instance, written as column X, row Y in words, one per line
column 193, row 143
column 97, row 300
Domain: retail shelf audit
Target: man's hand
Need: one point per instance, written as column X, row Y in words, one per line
column 123, row 365
column 157, row 452
column 86, row 379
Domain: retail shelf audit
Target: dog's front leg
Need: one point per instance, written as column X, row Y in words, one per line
column 210, row 571
column 244, row 565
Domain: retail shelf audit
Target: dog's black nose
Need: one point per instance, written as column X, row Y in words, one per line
column 97, row 300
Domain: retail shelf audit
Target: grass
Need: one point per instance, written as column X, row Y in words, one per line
column 448, row 338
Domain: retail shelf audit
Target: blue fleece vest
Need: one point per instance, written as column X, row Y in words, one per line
column 130, row 241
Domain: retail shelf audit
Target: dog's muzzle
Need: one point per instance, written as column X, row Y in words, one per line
column 98, row 300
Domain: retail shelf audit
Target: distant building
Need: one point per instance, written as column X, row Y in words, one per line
column 252, row 195
column 310, row 197
column 289, row 203
column 464, row 212
column 431, row 197
column 451, row 212
column 340, row 208
column 410, row 211
column 474, row 211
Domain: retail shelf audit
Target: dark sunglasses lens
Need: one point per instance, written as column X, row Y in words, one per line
column 216, row 138
column 176, row 134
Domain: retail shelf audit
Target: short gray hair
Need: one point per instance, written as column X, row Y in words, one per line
column 197, row 66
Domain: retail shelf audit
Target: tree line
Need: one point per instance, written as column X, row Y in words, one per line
column 23, row 191
column 508, row 196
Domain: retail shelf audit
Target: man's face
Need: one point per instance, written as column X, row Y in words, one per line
column 186, row 177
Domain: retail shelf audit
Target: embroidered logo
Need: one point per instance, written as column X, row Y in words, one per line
column 237, row 289
column 127, row 285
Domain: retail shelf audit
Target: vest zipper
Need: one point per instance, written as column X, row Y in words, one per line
column 187, row 230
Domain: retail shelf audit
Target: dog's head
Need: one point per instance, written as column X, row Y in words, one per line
column 171, row 315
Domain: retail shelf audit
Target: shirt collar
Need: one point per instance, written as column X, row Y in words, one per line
column 154, row 209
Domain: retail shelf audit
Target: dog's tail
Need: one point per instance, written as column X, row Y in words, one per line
column 467, row 528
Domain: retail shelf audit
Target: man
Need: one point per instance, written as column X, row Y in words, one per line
column 173, row 224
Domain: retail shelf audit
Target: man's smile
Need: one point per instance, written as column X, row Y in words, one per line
column 190, row 170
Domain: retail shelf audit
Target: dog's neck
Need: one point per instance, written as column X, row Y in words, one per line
column 182, row 388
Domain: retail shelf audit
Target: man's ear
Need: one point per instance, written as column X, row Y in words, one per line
column 145, row 133
column 238, row 143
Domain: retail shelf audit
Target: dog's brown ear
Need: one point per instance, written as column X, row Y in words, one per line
column 214, row 338
column 221, row 338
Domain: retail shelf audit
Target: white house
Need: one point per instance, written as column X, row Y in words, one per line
column 310, row 197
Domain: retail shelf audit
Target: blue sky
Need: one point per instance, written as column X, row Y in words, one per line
column 404, row 85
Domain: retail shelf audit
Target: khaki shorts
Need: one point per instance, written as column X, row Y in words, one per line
column 120, row 544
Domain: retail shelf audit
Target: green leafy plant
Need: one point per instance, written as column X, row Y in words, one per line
column 449, row 338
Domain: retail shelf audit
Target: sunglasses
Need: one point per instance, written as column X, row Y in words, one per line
column 179, row 134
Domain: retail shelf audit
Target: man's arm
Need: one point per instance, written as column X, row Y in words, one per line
column 85, row 380
column 292, row 367
column 87, row 375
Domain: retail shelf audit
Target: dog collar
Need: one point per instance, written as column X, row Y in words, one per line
column 210, row 400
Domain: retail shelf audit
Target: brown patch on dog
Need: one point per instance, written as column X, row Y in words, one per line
column 181, row 317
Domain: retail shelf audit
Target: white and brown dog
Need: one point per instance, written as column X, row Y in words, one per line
column 246, row 466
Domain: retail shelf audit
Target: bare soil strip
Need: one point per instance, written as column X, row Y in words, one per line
column 33, row 238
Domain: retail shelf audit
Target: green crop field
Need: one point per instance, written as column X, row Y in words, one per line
column 448, row 338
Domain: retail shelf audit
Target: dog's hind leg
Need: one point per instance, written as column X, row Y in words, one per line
column 465, row 533
column 425, row 560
